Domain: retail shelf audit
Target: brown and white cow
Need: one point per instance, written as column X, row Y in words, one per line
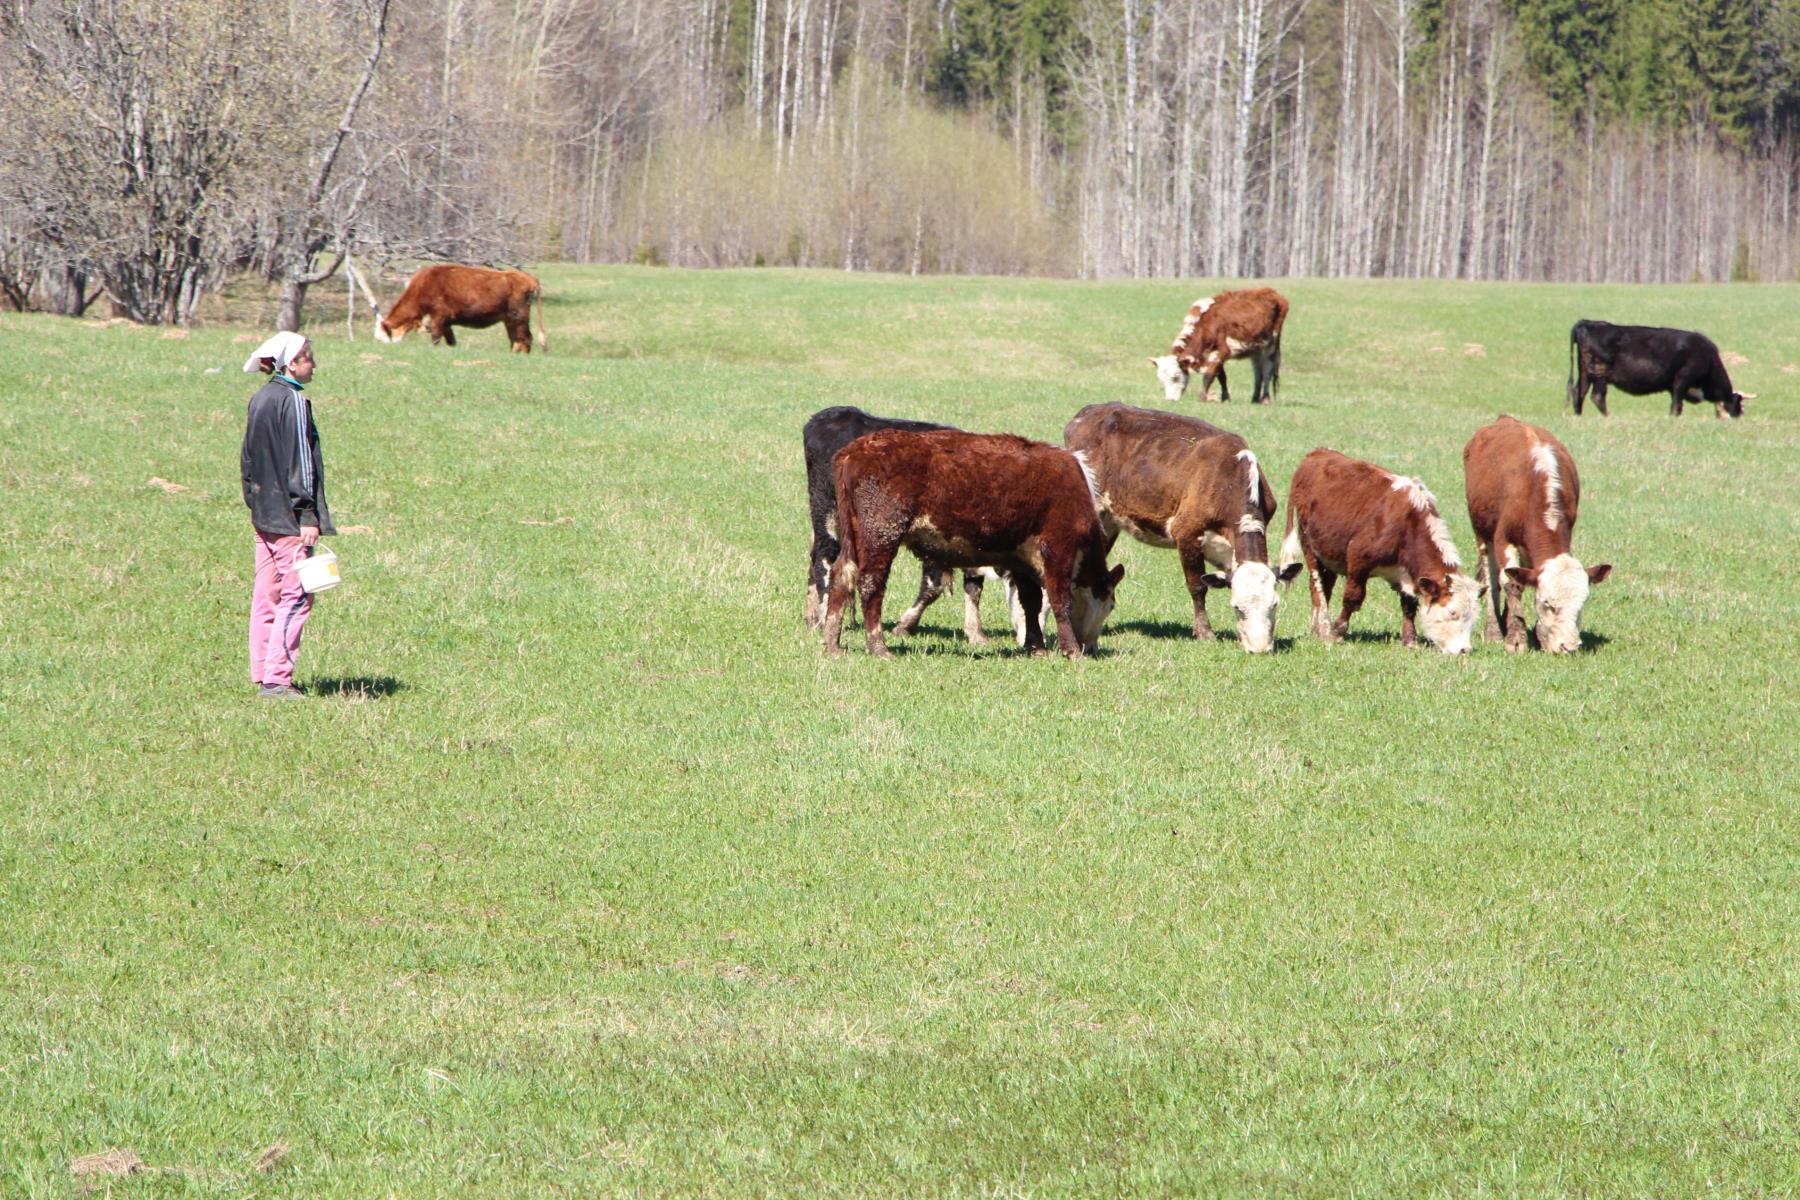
column 1523, row 497
column 1240, row 324
column 446, row 294
column 972, row 500
column 1351, row 518
column 1178, row 482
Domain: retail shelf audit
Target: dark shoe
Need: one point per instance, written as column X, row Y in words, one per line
column 280, row 691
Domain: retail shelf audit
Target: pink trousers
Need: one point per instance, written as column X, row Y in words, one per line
column 278, row 609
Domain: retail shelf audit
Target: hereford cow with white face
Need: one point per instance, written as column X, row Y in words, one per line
column 1180, row 483
column 1240, row 324
column 1523, row 495
column 971, row 500
column 1351, row 518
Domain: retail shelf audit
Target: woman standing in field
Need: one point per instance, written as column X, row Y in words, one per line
column 284, row 487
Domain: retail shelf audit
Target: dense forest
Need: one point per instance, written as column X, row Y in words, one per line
column 1641, row 140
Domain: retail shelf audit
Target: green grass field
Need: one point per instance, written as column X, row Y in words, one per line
column 583, row 872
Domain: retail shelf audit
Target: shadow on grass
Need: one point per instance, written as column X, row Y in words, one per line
column 357, row 687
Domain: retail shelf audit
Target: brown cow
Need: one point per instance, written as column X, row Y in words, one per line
column 1351, row 518
column 1523, row 496
column 446, row 294
column 1230, row 325
column 1176, row 481
column 971, row 500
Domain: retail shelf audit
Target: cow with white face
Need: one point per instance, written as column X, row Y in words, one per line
column 1180, row 483
column 1523, row 495
column 1353, row 519
column 1240, row 324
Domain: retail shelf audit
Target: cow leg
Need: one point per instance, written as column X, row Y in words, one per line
column 1514, row 593
column 1675, row 398
column 932, row 580
column 818, row 577
column 1259, row 392
column 1354, row 590
column 1224, row 384
column 972, row 608
column 445, row 333
column 843, row 574
column 1487, row 575
column 1322, row 581
column 1600, row 394
column 519, row 334
column 1193, row 565
column 1028, row 594
column 1059, row 575
column 871, row 582
column 1409, row 612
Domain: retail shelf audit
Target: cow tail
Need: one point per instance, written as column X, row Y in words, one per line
column 543, row 334
column 1569, row 396
column 1291, row 551
column 849, row 529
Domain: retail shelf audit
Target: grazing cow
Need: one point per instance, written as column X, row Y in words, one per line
column 1641, row 359
column 1176, row 481
column 1351, row 518
column 445, row 294
column 828, row 431
column 1230, row 325
column 1523, row 495
column 972, row 500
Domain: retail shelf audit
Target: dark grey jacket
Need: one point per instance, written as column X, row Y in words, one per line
column 284, row 473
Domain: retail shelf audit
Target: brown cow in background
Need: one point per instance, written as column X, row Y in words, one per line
column 446, row 294
column 1241, row 324
column 1523, row 496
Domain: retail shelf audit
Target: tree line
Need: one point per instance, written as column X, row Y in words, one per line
column 149, row 157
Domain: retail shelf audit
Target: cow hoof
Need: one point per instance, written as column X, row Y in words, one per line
column 1204, row 634
column 1491, row 634
column 1516, row 645
column 977, row 638
column 903, row 627
column 1037, row 651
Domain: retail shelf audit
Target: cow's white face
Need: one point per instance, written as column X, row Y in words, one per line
column 1447, row 614
column 1089, row 608
column 1562, row 591
column 1254, row 600
column 385, row 335
column 1172, row 376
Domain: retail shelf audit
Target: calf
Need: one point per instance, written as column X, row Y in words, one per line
column 1351, row 518
column 972, row 500
column 1523, row 496
column 1641, row 359
column 446, row 294
column 828, row 431
column 1176, row 481
column 1230, row 325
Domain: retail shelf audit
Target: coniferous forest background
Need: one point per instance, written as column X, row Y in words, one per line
column 148, row 159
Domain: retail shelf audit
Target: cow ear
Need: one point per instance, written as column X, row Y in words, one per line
column 1431, row 587
column 1116, row 574
column 1288, row 573
column 1598, row 574
column 1525, row 575
column 1215, row 580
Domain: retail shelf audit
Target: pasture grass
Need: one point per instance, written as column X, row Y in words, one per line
column 583, row 872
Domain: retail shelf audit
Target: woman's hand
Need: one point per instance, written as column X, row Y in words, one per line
column 309, row 536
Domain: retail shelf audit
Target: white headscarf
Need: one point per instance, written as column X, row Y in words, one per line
column 282, row 348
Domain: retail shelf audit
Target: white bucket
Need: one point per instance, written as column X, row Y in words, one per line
column 319, row 573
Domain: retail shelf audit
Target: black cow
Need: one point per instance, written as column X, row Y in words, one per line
column 1641, row 359
column 828, row 431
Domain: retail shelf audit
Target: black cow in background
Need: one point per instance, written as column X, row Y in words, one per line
column 828, row 431
column 1641, row 359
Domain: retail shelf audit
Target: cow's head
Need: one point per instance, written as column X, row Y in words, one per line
column 1172, row 375
column 1254, row 600
column 1734, row 407
column 1448, row 606
column 389, row 330
column 1092, row 602
column 1562, row 589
